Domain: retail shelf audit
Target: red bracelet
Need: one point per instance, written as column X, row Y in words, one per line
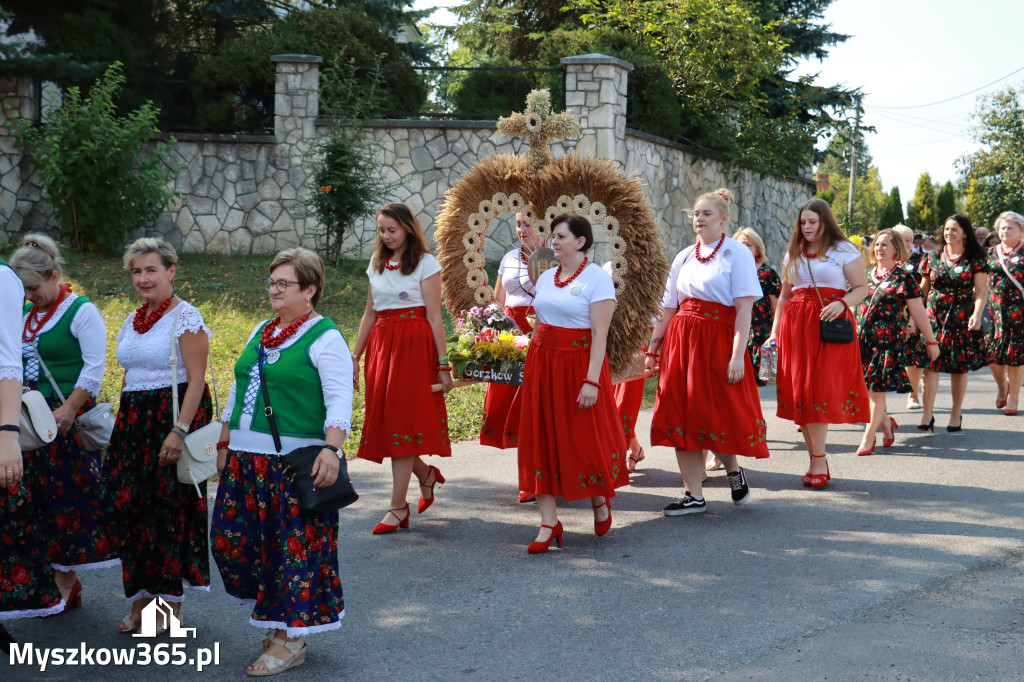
column 649, row 354
column 444, row 368
column 222, row 444
column 931, row 343
column 592, row 383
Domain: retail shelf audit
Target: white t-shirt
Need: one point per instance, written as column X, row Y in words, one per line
column 829, row 272
column 391, row 289
column 515, row 279
column 12, row 297
column 731, row 274
column 569, row 306
column 90, row 330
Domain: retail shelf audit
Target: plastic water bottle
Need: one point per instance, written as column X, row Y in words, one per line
column 769, row 361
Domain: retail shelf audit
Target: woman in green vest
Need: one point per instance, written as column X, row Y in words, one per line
column 67, row 332
column 281, row 563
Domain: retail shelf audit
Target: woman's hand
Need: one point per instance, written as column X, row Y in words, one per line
column 355, row 373
column 170, row 451
column 737, row 367
column 772, row 338
column 325, row 469
column 833, row 310
column 933, row 352
column 222, row 459
column 65, row 418
column 974, row 324
column 11, row 465
column 587, row 397
column 650, row 362
column 445, row 378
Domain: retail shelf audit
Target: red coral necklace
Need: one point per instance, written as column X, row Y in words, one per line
column 808, row 255
column 1007, row 254
column 558, row 273
column 31, row 330
column 950, row 258
column 142, row 322
column 268, row 339
column 705, row 259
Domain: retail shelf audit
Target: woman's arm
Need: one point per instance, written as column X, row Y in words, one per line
column 499, row 292
column 980, row 300
column 600, row 319
column 658, row 336
column 920, row 317
column 365, row 325
column 784, row 296
column 11, row 468
column 194, row 349
column 741, row 332
column 88, row 327
column 431, row 288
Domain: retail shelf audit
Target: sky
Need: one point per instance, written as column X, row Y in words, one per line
column 908, row 53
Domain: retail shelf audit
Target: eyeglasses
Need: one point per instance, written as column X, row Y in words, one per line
column 278, row 284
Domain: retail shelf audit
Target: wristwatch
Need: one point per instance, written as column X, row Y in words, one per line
column 333, row 448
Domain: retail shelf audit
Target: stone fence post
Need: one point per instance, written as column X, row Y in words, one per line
column 595, row 91
column 22, row 207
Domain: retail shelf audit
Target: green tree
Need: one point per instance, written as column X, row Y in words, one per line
column 945, row 201
column 892, row 212
column 994, row 175
column 836, row 157
column 92, row 168
column 868, row 203
column 922, row 215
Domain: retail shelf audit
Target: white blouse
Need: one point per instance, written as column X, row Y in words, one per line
column 333, row 360
column 90, row 330
column 12, row 298
column 828, row 270
column 569, row 306
column 731, row 274
column 146, row 357
column 393, row 290
column 515, row 279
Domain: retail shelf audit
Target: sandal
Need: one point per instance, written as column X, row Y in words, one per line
column 128, row 626
column 275, row 665
column 634, row 460
column 817, row 480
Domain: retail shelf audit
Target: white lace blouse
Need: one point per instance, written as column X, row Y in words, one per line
column 90, row 330
column 146, row 358
column 12, row 297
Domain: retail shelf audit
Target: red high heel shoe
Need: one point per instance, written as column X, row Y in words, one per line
column 74, row 599
column 542, row 547
column 869, row 451
column 424, row 504
column 601, row 527
column 382, row 527
column 887, row 442
column 1000, row 404
column 818, row 480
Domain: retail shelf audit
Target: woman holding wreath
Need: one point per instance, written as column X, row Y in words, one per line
column 68, row 332
column 819, row 382
column 571, row 444
column 707, row 397
column 955, row 280
column 892, row 289
column 158, row 526
column 1006, row 301
column 403, row 336
column 282, row 564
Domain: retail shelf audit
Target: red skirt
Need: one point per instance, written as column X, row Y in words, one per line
column 501, row 402
column 696, row 407
column 403, row 418
column 818, row 382
column 628, row 396
column 564, row 450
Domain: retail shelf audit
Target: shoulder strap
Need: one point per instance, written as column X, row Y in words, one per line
column 268, row 410
column 1002, row 264
column 46, row 371
column 811, row 273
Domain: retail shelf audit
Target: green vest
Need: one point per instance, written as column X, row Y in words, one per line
column 61, row 352
column 294, row 383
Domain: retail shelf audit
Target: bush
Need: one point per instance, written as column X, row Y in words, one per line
column 92, row 170
column 493, row 92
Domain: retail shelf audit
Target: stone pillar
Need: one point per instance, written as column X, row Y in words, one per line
column 595, row 91
column 22, row 207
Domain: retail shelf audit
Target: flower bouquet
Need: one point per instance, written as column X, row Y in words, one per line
column 488, row 346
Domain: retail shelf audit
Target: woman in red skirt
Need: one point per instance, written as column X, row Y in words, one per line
column 403, row 336
column 819, row 383
column 515, row 292
column 707, row 397
column 570, row 445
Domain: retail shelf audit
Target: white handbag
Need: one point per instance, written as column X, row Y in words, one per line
column 198, row 460
column 38, row 427
column 95, row 426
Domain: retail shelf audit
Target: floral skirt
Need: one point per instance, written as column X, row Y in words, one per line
column 403, row 418
column 960, row 349
column 883, row 357
column 272, row 559
column 1006, row 336
column 917, row 352
column 566, row 451
column 696, row 407
column 157, row 525
column 66, row 486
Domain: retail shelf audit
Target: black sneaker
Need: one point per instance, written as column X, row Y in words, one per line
column 740, row 489
column 686, row 504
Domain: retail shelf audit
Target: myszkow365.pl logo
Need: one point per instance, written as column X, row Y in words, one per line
column 157, row 619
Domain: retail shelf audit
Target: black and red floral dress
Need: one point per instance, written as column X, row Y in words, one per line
column 762, row 316
column 881, row 318
column 917, row 352
column 1006, row 303
column 950, row 305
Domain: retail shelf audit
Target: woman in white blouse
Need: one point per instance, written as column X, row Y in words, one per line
column 403, row 336
column 68, row 332
column 818, row 382
column 158, row 526
column 572, row 444
column 283, row 565
column 707, row 397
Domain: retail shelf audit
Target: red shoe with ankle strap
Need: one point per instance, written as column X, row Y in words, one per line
column 542, row 547
column 425, row 503
column 382, row 528
column 601, row 527
column 817, row 480
column 887, row 442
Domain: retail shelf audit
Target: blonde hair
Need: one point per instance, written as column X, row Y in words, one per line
column 722, row 198
column 309, row 268
column 1011, row 216
column 904, row 232
column 37, row 256
column 900, row 246
column 143, row 245
column 754, row 239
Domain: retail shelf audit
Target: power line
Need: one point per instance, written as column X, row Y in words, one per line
column 950, row 99
column 917, row 125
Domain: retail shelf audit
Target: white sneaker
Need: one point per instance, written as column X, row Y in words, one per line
column 912, row 403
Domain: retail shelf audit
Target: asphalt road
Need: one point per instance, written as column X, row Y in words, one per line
column 907, row 567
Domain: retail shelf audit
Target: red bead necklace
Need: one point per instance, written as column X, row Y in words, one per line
column 808, row 255
column 705, row 259
column 523, row 258
column 268, row 339
column 878, row 277
column 1007, row 254
column 950, row 257
column 142, row 322
column 576, row 274
column 30, row 331
column 389, row 266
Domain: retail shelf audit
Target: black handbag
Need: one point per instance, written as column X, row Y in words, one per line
column 312, row 501
column 839, row 330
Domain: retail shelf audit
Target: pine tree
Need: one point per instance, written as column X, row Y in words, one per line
column 922, row 214
column 945, row 202
column 892, row 213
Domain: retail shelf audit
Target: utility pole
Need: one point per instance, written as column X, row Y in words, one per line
column 853, row 163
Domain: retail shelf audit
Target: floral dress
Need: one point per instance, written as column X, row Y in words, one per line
column 881, row 320
column 762, row 316
column 1006, row 335
column 917, row 352
column 950, row 304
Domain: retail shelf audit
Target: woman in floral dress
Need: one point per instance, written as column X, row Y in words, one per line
column 763, row 313
column 1006, row 302
column 955, row 280
column 892, row 289
column 916, row 352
